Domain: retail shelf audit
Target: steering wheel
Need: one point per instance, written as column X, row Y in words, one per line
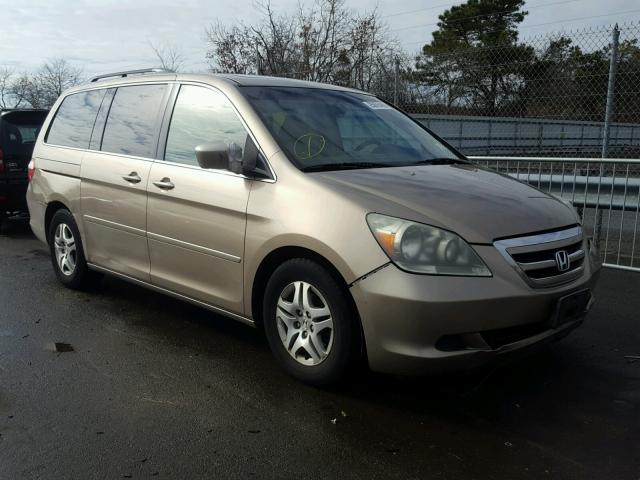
column 366, row 143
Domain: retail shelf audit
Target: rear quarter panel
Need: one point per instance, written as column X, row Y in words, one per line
column 57, row 179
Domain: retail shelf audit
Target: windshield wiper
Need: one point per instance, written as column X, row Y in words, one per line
column 439, row 161
column 324, row 167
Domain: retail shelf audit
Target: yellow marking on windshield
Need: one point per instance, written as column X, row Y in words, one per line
column 308, row 146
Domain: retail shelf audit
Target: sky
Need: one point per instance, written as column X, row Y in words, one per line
column 111, row 35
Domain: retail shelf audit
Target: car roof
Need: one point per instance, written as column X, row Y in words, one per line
column 215, row 79
column 268, row 81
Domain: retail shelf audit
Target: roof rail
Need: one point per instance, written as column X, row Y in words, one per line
column 132, row 72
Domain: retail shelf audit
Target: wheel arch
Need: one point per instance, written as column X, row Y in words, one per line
column 52, row 208
column 280, row 255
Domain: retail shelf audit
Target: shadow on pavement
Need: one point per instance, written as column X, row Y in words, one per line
column 15, row 228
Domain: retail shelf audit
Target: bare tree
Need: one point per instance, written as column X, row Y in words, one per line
column 233, row 50
column 13, row 88
column 6, row 76
column 324, row 33
column 168, row 56
column 274, row 40
column 53, row 78
column 326, row 43
column 19, row 89
column 40, row 89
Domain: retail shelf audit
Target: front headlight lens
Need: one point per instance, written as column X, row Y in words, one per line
column 420, row 248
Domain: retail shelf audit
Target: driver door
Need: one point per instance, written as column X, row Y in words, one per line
column 195, row 217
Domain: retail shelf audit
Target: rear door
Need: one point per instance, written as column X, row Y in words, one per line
column 115, row 172
column 197, row 217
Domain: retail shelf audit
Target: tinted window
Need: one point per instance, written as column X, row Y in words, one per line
column 74, row 120
column 201, row 116
column 19, row 131
column 98, row 127
column 134, row 120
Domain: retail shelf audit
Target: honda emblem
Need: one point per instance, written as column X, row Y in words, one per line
column 563, row 262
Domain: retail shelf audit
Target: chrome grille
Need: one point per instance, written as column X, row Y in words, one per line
column 542, row 259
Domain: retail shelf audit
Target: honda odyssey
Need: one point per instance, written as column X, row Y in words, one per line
column 325, row 216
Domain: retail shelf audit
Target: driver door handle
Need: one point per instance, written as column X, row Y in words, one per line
column 133, row 177
column 164, row 184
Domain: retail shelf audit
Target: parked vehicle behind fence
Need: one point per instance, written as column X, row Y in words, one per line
column 332, row 220
column 18, row 131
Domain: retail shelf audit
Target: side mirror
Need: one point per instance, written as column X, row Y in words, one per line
column 250, row 156
column 243, row 160
column 213, row 156
column 229, row 157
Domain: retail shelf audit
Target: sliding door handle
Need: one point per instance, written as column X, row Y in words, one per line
column 164, row 184
column 133, row 177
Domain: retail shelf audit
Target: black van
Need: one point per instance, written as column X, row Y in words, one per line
column 19, row 129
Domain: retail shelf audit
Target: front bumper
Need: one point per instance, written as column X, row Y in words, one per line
column 420, row 323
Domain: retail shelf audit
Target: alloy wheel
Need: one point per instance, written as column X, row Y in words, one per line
column 65, row 249
column 305, row 323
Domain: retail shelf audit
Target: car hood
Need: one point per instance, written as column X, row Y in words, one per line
column 478, row 204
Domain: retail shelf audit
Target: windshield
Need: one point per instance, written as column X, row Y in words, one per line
column 323, row 129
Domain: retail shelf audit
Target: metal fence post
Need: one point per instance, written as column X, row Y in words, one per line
column 396, row 74
column 613, row 67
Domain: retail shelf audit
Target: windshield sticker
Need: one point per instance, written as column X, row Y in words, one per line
column 308, row 146
column 377, row 105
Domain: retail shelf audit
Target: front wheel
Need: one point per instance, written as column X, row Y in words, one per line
column 311, row 328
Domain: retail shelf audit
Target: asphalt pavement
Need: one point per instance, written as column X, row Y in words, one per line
column 126, row 383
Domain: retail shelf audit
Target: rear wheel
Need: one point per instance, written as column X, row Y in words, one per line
column 67, row 253
column 311, row 329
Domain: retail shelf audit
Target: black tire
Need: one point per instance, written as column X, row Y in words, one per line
column 343, row 357
column 81, row 277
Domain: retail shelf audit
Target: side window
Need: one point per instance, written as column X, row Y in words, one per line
column 201, row 116
column 74, row 120
column 101, row 119
column 134, row 120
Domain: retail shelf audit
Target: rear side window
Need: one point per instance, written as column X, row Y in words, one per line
column 101, row 119
column 134, row 120
column 74, row 119
column 201, row 116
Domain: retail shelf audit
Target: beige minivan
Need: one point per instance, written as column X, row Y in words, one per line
column 332, row 220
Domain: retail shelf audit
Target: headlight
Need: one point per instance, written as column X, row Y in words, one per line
column 420, row 248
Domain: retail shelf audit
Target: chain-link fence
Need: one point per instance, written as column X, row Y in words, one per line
column 543, row 110
column 563, row 94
